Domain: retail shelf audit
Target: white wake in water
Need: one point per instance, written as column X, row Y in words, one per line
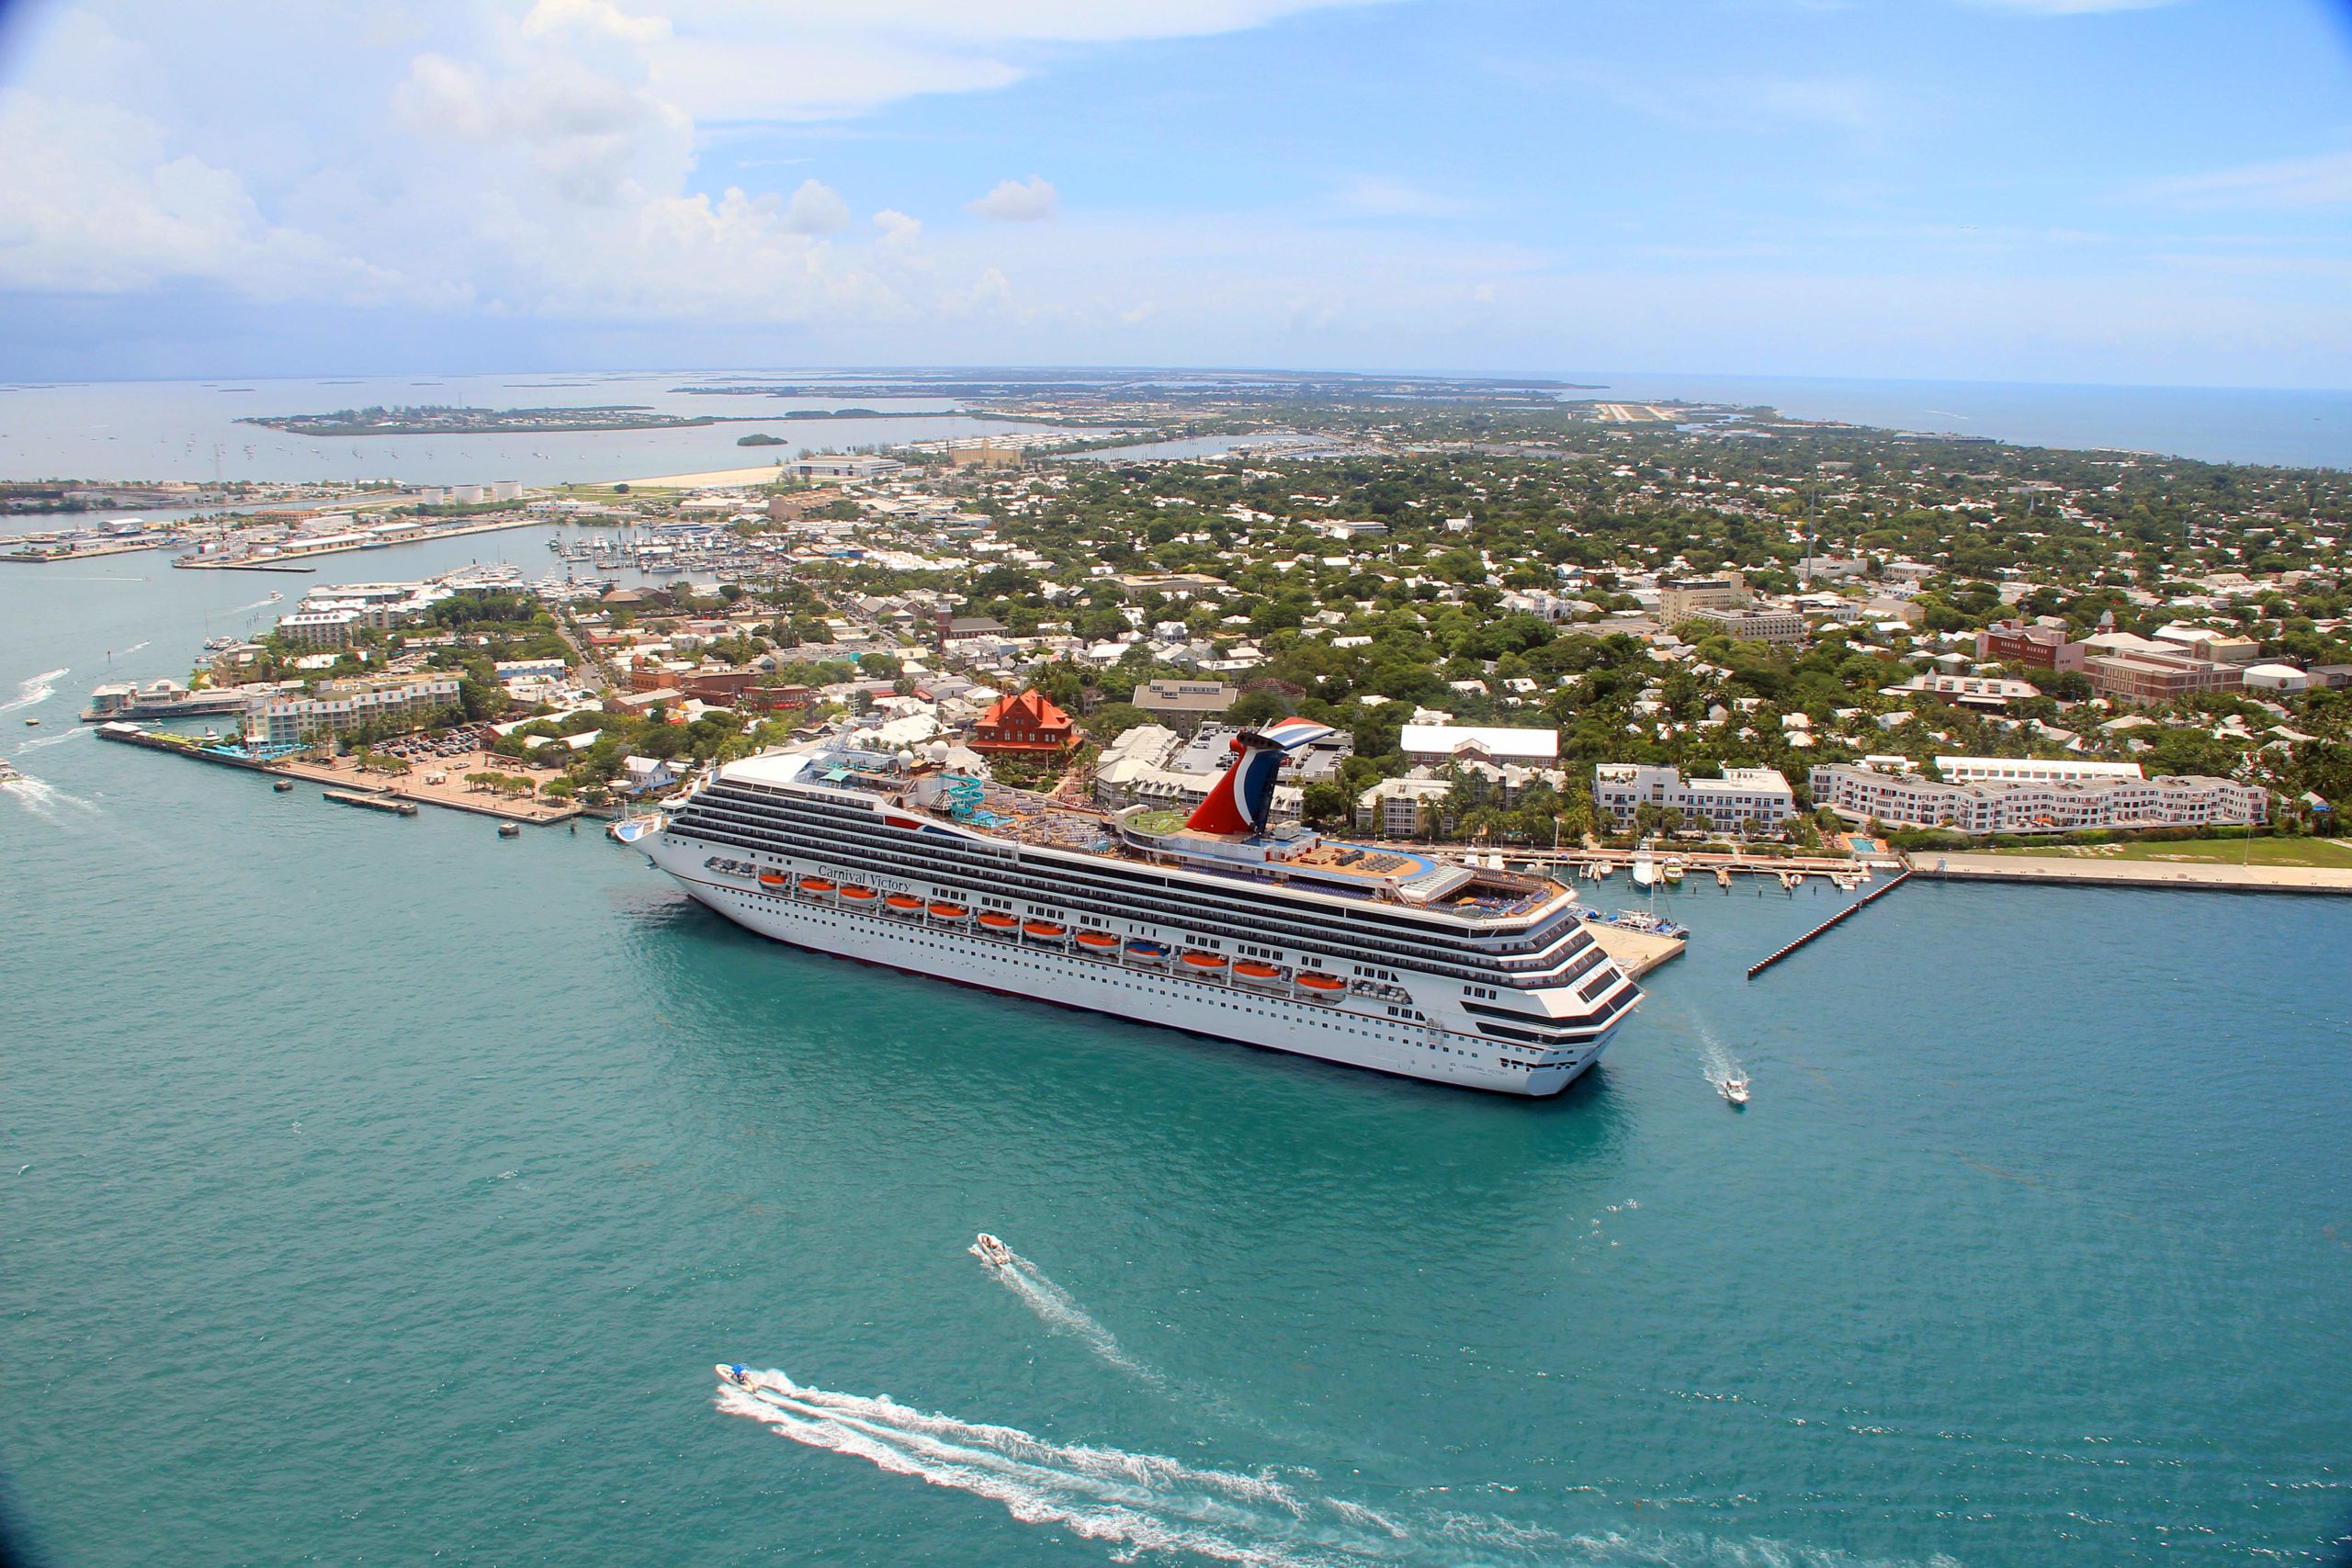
column 256, row 604
column 1059, row 1310
column 48, row 740
column 122, row 652
column 1143, row 1503
column 44, row 798
column 1138, row 1503
column 34, row 690
column 1716, row 1060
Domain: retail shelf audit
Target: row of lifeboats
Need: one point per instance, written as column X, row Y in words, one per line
column 1311, row 984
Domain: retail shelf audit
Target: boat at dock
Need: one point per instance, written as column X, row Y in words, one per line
column 1640, row 921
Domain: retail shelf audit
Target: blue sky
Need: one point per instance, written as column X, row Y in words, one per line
column 2054, row 190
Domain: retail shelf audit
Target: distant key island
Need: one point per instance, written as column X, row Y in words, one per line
column 434, row 420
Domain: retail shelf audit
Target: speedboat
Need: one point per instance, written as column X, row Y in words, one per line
column 738, row 1375
column 991, row 1251
column 1735, row 1089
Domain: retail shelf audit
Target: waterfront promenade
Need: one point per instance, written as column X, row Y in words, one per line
column 2067, row 870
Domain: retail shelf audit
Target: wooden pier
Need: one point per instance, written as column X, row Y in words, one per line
column 1856, row 908
column 372, row 802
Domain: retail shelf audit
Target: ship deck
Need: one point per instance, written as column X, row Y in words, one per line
column 1369, row 871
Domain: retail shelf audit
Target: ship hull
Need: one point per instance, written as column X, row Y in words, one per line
column 1220, row 1010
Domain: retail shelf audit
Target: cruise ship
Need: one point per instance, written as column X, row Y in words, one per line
column 1220, row 923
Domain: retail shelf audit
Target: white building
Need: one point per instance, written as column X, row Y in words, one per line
column 1753, row 625
column 2277, row 678
column 2052, row 806
column 837, row 466
column 342, row 706
column 2030, row 769
column 1743, row 797
column 319, row 629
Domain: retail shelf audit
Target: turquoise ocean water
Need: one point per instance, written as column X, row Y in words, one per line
column 388, row 1190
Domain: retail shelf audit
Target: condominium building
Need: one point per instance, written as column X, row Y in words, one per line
column 2035, row 806
column 1685, row 596
column 1743, row 797
column 1753, row 625
column 1430, row 744
column 319, row 629
column 342, row 706
column 1393, row 805
column 2153, row 678
column 2031, row 770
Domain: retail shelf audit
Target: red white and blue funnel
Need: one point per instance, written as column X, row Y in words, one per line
column 1244, row 796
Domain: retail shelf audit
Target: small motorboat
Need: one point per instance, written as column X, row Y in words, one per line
column 32, row 724
column 739, row 1374
column 991, row 1251
column 1735, row 1090
column 284, row 786
column 509, row 830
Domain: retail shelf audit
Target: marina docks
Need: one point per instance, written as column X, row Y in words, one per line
column 1636, row 952
column 1609, row 867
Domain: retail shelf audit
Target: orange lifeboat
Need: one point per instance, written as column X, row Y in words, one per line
column 1322, row 986
column 903, row 903
column 859, row 895
column 1045, row 931
column 1208, row 963
column 950, row 913
column 1097, row 941
column 1251, row 969
column 815, row 885
column 772, row 879
column 996, row 920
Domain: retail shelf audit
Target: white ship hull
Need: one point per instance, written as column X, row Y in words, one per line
column 1347, row 1031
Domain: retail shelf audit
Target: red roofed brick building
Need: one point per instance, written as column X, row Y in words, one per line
column 1025, row 726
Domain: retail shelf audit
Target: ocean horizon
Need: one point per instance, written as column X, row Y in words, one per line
column 128, row 431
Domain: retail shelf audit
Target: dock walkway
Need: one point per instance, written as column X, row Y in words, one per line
column 2070, row 871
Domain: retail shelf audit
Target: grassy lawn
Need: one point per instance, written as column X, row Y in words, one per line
column 2214, row 852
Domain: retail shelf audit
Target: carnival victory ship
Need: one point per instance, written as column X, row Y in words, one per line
column 1221, row 923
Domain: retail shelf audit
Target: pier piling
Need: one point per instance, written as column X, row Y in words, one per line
column 1856, row 908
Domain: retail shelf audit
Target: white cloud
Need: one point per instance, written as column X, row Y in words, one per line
column 816, row 208
column 594, row 17
column 896, row 227
column 2322, row 181
column 1017, row 201
column 1372, row 196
